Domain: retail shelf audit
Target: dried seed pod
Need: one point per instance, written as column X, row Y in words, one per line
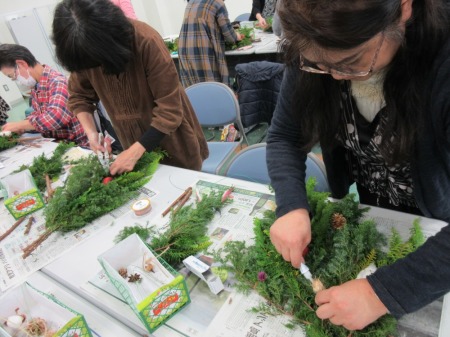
column 36, row 327
column 317, row 285
column 134, row 278
column 338, row 221
column 123, row 272
column 149, row 266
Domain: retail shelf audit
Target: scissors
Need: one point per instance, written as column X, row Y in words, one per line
column 103, row 157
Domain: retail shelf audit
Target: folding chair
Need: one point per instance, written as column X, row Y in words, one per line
column 215, row 104
column 316, row 168
column 250, row 164
column 242, row 17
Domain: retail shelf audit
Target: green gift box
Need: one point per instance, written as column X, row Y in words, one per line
column 153, row 289
column 23, row 196
column 42, row 314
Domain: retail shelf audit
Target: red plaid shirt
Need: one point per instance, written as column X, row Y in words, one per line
column 51, row 116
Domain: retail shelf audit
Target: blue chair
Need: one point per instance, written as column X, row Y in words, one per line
column 316, row 168
column 243, row 17
column 215, row 104
column 250, row 164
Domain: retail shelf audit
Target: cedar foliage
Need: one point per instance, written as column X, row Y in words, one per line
column 185, row 233
column 7, row 142
column 335, row 256
column 84, row 197
column 52, row 166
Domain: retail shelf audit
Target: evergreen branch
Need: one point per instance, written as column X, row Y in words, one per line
column 336, row 254
column 43, row 166
column 186, row 233
column 7, row 142
column 84, row 197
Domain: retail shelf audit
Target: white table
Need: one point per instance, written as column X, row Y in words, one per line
column 170, row 182
column 268, row 45
column 77, row 266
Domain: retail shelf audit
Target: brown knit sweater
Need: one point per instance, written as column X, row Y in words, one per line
column 147, row 94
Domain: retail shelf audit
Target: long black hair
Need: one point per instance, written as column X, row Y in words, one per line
column 92, row 33
column 346, row 24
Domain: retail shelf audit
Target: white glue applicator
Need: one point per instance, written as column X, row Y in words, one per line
column 315, row 282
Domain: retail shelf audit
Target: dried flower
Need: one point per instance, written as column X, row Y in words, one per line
column 262, row 276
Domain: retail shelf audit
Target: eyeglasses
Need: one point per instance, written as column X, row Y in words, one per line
column 14, row 75
column 313, row 68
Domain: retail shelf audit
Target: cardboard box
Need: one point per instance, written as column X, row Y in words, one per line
column 40, row 310
column 23, row 196
column 159, row 293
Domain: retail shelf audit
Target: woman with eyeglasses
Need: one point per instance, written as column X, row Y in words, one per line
column 370, row 82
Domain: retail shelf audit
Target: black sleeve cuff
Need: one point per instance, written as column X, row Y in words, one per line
column 151, row 139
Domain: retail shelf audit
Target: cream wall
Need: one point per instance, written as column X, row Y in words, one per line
column 165, row 16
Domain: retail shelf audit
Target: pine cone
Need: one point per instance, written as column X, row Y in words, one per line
column 134, row 278
column 123, row 272
column 338, row 221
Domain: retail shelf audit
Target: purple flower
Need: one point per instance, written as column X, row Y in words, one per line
column 262, row 276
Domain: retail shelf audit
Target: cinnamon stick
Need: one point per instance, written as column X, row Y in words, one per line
column 28, row 225
column 13, row 227
column 183, row 201
column 177, row 200
column 32, row 246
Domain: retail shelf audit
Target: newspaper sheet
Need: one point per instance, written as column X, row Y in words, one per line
column 23, row 154
column 14, row 269
column 228, row 313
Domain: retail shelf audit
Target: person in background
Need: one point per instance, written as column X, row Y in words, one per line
column 127, row 7
column 276, row 24
column 370, row 81
column 201, row 43
column 4, row 108
column 262, row 9
column 49, row 96
column 126, row 65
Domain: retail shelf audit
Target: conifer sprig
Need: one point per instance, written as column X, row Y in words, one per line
column 336, row 255
column 84, row 197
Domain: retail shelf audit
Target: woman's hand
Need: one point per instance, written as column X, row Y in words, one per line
column 290, row 234
column 261, row 21
column 353, row 304
column 126, row 160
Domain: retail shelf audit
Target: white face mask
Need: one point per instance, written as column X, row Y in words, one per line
column 28, row 82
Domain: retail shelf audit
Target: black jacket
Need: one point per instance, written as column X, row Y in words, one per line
column 257, row 85
column 424, row 275
column 257, row 7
